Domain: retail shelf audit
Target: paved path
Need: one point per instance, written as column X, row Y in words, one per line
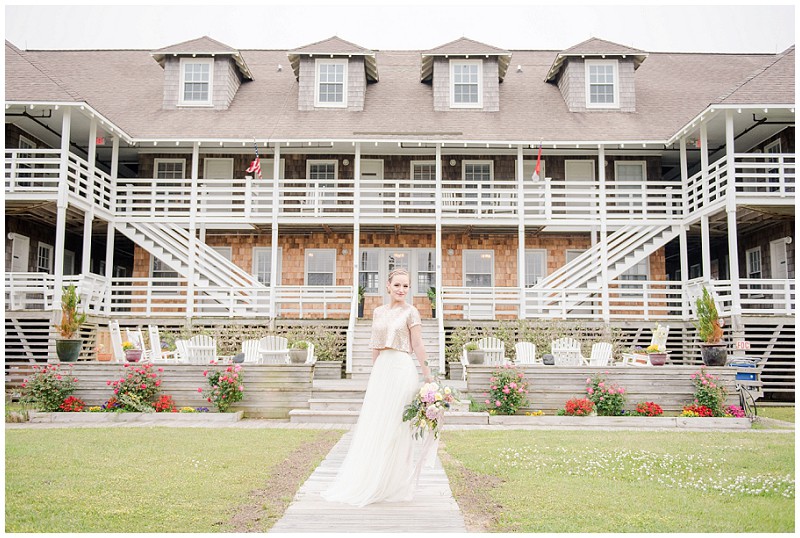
column 432, row 510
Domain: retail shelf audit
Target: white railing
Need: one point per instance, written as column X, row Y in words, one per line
column 701, row 193
column 757, row 296
column 480, row 303
column 32, row 171
column 36, row 291
column 475, row 199
column 762, row 175
column 316, row 198
column 313, row 301
column 397, row 198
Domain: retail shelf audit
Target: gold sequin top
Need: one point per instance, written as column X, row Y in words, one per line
column 391, row 327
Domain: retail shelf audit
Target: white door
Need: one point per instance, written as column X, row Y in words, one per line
column 581, row 201
column 371, row 176
column 217, row 193
column 20, row 251
column 69, row 262
column 777, row 256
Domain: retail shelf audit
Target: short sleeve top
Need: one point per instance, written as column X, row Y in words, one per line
column 391, row 327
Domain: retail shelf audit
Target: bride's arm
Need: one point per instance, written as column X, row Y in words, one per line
column 419, row 350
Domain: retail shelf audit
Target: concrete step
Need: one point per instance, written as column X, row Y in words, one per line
column 307, row 416
column 335, row 404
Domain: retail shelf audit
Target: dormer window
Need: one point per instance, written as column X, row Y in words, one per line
column 602, row 88
column 196, row 77
column 331, row 83
column 465, row 83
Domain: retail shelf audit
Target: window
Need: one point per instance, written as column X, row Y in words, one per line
column 426, row 270
column 476, row 173
column 320, row 267
column 323, row 183
column 262, row 264
column 368, row 270
column 27, row 143
column 423, row 176
column 331, row 87
column 225, row 252
column 602, row 89
column 160, row 270
column 629, row 176
column 638, row 272
column 170, row 168
column 465, row 84
column 196, row 77
column 529, row 167
column 535, row 266
column 478, row 268
column 753, row 257
column 44, row 258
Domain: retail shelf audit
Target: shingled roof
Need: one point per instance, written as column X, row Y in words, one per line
column 335, row 46
column 593, row 48
column 203, row 46
column 668, row 95
column 464, row 47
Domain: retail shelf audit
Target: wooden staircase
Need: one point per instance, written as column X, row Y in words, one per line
column 362, row 354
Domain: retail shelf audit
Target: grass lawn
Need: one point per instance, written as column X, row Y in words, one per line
column 585, row 481
column 778, row 413
column 139, row 479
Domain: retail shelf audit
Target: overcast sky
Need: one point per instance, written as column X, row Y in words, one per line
column 669, row 28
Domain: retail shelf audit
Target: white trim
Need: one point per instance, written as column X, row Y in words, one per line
column 453, row 103
column 464, row 164
column 225, row 251
column 527, row 265
column 642, row 164
column 330, row 61
column 30, row 143
column 158, row 161
column 305, row 263
column 209, row 160
column 268, row 251
column 416, row 163
column 588, row 65
column 334, row 162
column 181, row 88
column 772, row 145
column 464, row 264
column 48, row 247
column 748, row 267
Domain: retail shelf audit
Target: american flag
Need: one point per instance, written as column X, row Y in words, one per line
column 535, row 175
column 255, row 166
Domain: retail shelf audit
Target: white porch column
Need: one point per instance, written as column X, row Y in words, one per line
column 88, row 217
column 705, row 243
column 684, row 244
column 274, row 281
column 601, row 177
column 733, row 241
column 61, row 211
column 704, row 157
column 114, row 171
column 357, row 218
column 192, row 230
column 439, row 258
column 109, row 265
column 91, row 160
column 521, row 232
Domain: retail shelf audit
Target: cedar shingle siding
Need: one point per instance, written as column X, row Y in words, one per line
column 572, row 84
column 441, row 86
column 223, row 86
column 356, row 84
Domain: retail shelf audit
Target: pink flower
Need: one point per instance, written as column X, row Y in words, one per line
column 588, row 379
column 116, row 391
column 590, row 390
column 506, row 391
column 488, row 402
column 158, row 383
column 497, row 403
column 23, row 385
column 705, row 382
column 692, row 376
column 513, row 385
column 160, row 369
column 622, row 391
column 58, row 377
column 611, row 391
column 108, row 383
column 241, row 388
column 75, row 379
column 205, row 373
column 199, row 389
column 601, row 384
column 143, row 386
column 494, row 387
column 209, row 399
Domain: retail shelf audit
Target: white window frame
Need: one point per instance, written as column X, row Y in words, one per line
column 479, row 252
column 256, row 268
column 306, row 255
column 182, row 88
column 773, row 145
column 453, row 103
column 157, row 162
column 330, row 61
column 378, row 253
column 749, row 263
column 26, row 143
column 533, row 251
column 155, row 286
column 416, row 253
column 589, row 64
column 630, row 276
column 48, row 248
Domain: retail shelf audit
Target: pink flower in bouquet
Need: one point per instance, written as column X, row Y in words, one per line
column 432, row 413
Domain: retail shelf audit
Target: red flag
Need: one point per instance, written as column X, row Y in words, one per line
column 535, row 175
column 255, row 166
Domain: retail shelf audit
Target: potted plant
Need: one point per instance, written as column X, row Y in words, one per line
column 709, row 328
column 361, row 291
column 132, row 353
column 474, row 355
column 68, row 347
column 656, row 355
column 298, row 353
column 432, row 299
column 102, row 355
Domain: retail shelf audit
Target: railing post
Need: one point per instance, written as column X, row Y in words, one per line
column 273, row 271
column 12, row 173
column 548, row 199
column 190, row 291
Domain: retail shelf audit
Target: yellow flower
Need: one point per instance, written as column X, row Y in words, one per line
column 438, row 396
column 447, row 390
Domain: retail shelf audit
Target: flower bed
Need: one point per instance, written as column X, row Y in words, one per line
column 622, row 422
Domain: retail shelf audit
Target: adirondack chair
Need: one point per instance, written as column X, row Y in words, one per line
column 566, row 352
column 116, row 341
column 659, row 339
column 156, row 354
column 273, row 350
column 250, row 350
column 182, row 350
column 135, row 337
column 202, row 349
column 494, row 349
column 311, row 359
column 526, row 353
column 601, row 354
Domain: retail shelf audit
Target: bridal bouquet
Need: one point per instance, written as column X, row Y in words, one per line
column 427, row 408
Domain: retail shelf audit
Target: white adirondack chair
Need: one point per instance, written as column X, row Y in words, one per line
column 250, row 350
column 566, row 352
column 156, row 354
column 494, row 349
column 526, row 353
column 202, row 349
column 311, row 359
column 182, row 350
column 273, row 350
column 116, row 341
column 659, row 339
column 601, row 354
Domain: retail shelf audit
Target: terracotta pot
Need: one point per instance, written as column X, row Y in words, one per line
column 658, row 359
column 133, row 355
column 104, row 357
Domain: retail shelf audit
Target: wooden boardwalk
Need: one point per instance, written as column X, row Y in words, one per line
column 432, row 510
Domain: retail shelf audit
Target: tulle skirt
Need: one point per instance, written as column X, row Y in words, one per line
column 379, row 465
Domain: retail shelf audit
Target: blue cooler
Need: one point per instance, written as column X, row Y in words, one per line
column 744, row 363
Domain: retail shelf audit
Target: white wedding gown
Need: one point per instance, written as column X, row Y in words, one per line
column 379, row 466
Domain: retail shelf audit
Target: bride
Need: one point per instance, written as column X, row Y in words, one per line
column 379, row 464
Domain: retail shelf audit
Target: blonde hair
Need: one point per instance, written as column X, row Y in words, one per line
column 396, row 272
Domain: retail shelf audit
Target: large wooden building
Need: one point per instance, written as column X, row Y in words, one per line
column 126, row 174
